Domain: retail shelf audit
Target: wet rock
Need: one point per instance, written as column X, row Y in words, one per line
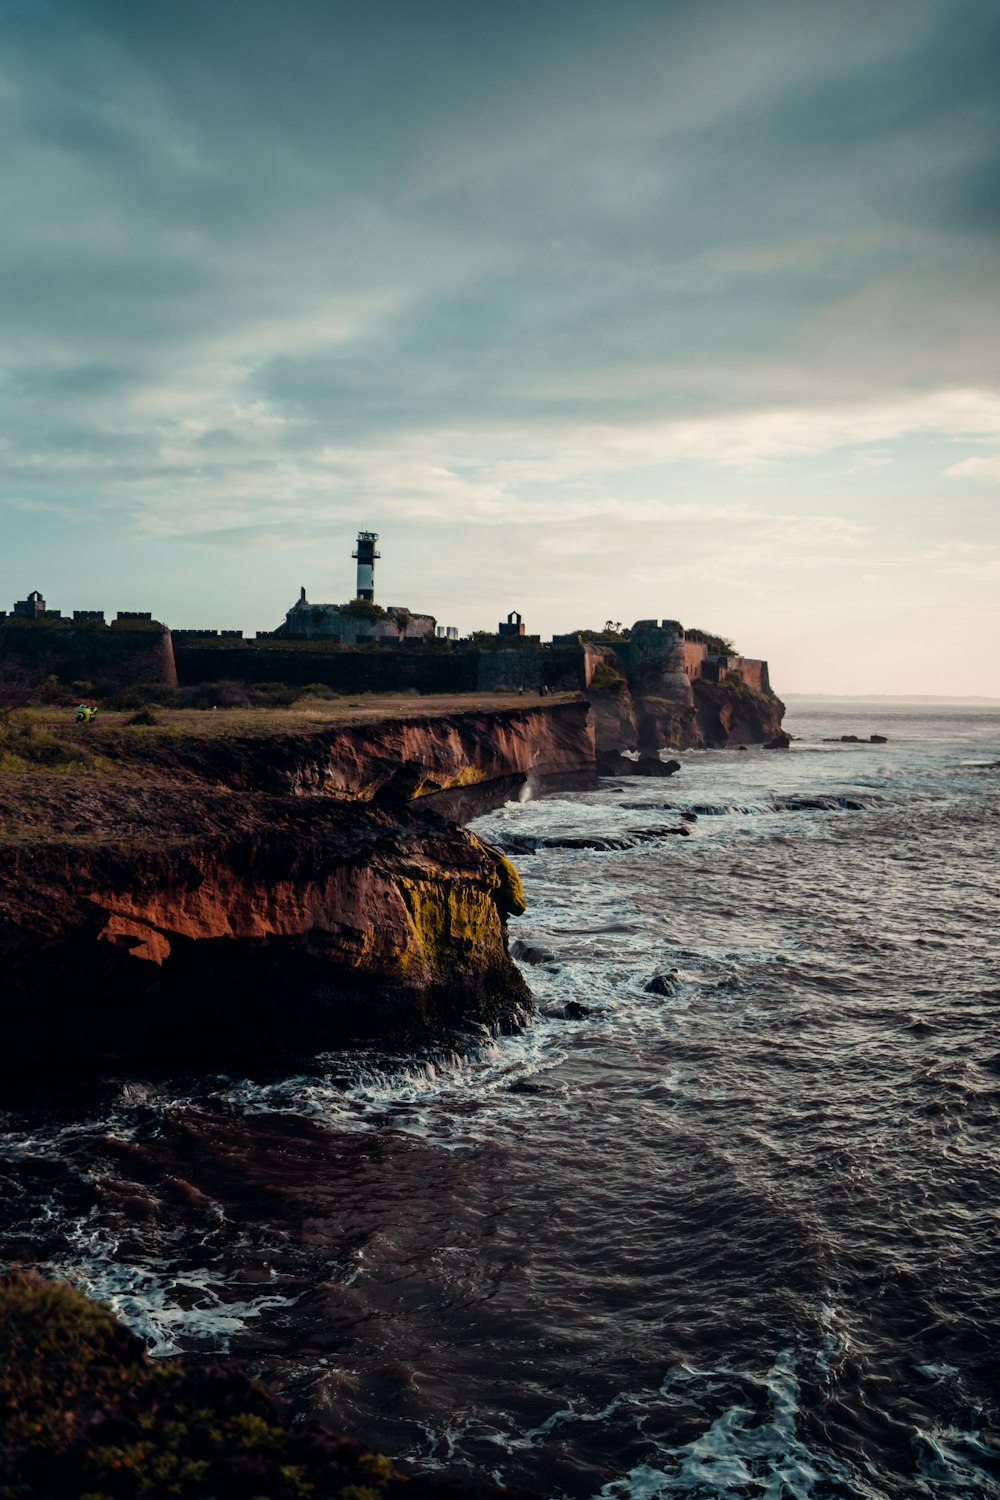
column 689, row 817
column 586, row 841
column 531, row 953
column 878, row 739
column 574, row 1011
column 663, row 984
column 516, row 843
column 614, row 763
column 743, row 748
column 651, row 765
column 780, row 742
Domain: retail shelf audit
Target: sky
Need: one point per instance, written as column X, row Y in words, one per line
column 618, row 310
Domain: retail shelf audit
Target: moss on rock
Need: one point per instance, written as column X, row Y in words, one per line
column 451, row 917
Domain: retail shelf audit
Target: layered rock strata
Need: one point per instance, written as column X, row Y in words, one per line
column 663, row 710
column 206, row 897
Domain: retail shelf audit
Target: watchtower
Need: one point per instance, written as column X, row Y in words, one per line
column 514, row 625
column 32, row 608
column 366, row 555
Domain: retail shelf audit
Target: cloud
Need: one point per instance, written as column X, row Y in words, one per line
column 560, row 279
column 985, row 469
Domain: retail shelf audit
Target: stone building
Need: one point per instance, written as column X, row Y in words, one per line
column 359, row 623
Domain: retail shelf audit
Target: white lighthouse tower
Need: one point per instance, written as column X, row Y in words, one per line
column 366, row 555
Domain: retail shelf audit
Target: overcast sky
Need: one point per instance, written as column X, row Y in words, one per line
column 639, row 308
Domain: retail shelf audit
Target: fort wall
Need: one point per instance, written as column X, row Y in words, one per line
column 379, row 670
column 104, row 656
column 559, row 668
column 694, row 654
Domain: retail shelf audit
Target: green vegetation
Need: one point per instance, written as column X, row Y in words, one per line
column 716, row 645
column 24, row 744
column 446, row 916
column 606, row 678
column 364, row 609
column 612, row 630
column 86, row 1416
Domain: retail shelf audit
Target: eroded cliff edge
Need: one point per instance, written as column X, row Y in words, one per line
column 195, row 897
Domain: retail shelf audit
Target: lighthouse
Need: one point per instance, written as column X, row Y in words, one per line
column 366, row 555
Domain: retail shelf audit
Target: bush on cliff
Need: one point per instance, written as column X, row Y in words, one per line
column 606, row 679
column 225, row 694
column 85, row 1413
column 716, row 645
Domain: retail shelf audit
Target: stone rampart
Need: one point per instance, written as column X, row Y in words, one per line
column 104, row 656
column 374, row 671
column 653, row 660
column 560, row 668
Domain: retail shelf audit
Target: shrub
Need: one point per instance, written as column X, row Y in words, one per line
column 363, row 609
column 272, row 694
column 87, row 1413
column 606, row 678
column 717, row 645
column 214, row 695
column 123, row 699
column 144, row 716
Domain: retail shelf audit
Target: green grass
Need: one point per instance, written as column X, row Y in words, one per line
column 83, row 740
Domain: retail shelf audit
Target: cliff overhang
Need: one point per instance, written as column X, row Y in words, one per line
column 198, row 898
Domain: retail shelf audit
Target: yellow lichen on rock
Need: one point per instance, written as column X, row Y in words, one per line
column 510, row 897
column 451, row 919
column 510, row 892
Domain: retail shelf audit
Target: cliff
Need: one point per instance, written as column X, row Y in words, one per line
column 642, row 699
column 196, row 896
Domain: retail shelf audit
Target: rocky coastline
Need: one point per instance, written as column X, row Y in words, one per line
column 197, row 897
column 193, row 896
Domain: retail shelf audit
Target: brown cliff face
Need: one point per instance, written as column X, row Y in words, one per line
column 212, row 897
column 722, row 714
column 729, row 714
column 460, row 763
column 644, row 700
column 309, row 924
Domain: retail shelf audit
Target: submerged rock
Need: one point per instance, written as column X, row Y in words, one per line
column 780, row 742
column 663, row 984
column 531, row 953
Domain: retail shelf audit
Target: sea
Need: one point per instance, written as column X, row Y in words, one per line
column 723, row 1221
